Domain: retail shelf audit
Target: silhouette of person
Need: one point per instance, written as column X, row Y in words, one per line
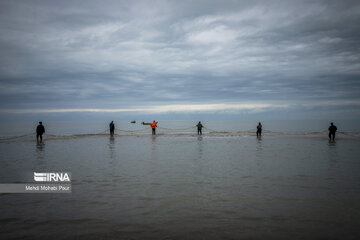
column 332, row 131
column 259, row 129
column 40, row 130
column 112, row 128
column 199, row 128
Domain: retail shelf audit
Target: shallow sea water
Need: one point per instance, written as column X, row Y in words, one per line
column 184, row 186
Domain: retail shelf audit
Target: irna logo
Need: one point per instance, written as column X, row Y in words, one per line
column 52, row 177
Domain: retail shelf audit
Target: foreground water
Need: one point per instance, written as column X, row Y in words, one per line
column 181, row 186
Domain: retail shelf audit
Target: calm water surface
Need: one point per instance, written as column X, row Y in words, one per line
column 186, row 187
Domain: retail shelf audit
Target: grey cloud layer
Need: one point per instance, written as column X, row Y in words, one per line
column 115, row 54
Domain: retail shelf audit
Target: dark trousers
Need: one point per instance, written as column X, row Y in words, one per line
column 38, row 135
column 333, row 136
column 153, row 131
column 112, row 131
column 199, row 131
column 258, row 132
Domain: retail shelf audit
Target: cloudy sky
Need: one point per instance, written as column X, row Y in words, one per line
column 266, row 59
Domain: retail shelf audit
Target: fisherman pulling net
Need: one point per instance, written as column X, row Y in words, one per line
column 40, row 130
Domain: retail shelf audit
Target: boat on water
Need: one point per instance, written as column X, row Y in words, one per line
column 133, row 121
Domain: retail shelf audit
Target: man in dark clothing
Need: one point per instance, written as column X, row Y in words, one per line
column 199, row 128
column 332, row 130
column 112, row 128
column 259, row 129
column 40, row 130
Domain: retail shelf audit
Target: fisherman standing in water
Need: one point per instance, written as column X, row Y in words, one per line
column 153, row 126
column 332, row 131
column 199, row 128
column 112, row 128
column 40, row 130
column 259, row 129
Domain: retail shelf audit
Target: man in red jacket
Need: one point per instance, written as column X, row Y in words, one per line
column 153, row 126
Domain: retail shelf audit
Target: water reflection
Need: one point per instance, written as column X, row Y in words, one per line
column 112, row 147
column 333, row 159
column 200, row 146
column 40, row 147
column 153, row 142
column 259, row 153
column 333, row 155
column 332, row 145
column 153, row 148
column 259, row 144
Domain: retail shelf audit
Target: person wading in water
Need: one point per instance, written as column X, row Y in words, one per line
column 259, row 129
column 153, row 126
column 40, row 130
column 332, row 131
column 112, row 128
column 199, row 128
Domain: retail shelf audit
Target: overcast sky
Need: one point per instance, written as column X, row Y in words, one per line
column 286, row 59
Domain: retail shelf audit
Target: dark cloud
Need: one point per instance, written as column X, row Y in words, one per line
column 121, row 54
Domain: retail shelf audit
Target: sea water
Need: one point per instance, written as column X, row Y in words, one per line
column 227, row 184
column 9, row 129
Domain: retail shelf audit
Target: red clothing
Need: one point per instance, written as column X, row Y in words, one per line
column 153, row 125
